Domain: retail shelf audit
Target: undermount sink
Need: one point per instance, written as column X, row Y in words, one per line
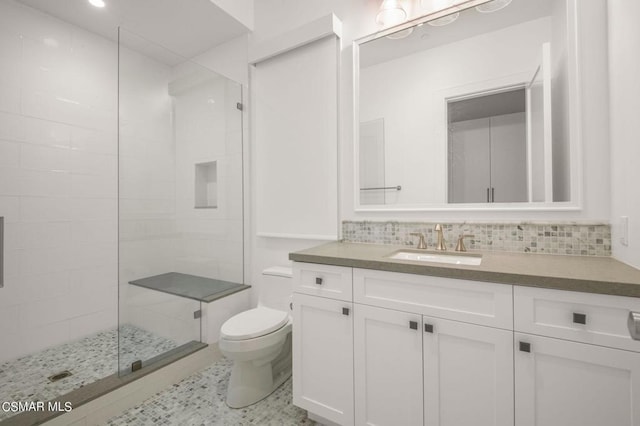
column 450, row 258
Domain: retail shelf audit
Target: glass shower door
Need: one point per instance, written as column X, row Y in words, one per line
column 180, row 198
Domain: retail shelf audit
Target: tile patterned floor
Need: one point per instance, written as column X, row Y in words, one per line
column 199, row 401
column 88, row 359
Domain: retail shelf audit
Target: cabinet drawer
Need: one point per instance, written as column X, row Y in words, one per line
column 330, row 281
column 582, row 317
column 469, row 301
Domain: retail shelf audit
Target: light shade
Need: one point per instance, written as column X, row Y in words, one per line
column 97, row 3
column 391, row 13
column 445, row 20
column 400, row 34
column 436, row 5
column 492, row 6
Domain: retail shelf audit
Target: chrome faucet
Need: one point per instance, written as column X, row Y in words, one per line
column 421, row 243
column 441, row 245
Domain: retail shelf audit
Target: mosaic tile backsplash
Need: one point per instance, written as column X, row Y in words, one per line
column 526, row 237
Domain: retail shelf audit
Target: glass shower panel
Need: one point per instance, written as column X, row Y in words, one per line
column 180, row 198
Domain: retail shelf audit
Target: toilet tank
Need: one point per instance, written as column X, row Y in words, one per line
column 276, row 288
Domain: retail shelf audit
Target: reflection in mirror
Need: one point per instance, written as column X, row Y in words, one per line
column 470, row 110
column 488, row 148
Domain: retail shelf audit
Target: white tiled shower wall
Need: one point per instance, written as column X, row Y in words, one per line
column 147, row 193
column 208, row 128
column 58, row 185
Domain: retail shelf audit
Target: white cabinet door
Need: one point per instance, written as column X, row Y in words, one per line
column 468, row 374
column 388, row 367
column 323, row 357
column 575, row 384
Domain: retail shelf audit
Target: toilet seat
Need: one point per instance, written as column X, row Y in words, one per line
column 253, row 323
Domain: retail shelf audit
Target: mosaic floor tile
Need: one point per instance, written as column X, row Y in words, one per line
column 88, row 359
column 199, row 400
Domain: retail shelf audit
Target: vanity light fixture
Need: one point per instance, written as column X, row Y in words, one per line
column 392, row 13
column 492, row 6
column 434, row 5
column 97, row 3
column 400, row 34
column 445, row 20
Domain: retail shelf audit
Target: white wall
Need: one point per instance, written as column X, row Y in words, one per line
column 415, row 145
column 58, row 169
column 228, row 59
column 241, row 10
column 624, row 39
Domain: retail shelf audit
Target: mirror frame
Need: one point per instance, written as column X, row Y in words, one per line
column 575, row 124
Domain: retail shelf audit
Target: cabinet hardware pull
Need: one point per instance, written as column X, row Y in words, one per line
column 318, row 280
column 413, row 325
column 345, row 311
column 493, row 195
column 488, row 199
column 634, row 325
column 525, row 347
column 428, row 328
column 579, row 318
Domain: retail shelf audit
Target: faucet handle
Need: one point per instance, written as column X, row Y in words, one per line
column 421, row 243
column 460, row 246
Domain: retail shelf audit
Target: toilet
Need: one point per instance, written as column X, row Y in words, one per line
column 259, row 341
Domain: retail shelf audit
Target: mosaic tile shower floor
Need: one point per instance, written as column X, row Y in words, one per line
column 89, row 359
column 199, row 401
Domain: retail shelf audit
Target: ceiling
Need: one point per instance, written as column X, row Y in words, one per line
column 185, row 27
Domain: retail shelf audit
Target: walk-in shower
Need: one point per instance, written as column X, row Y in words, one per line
column 121, row 199
column 180, row 197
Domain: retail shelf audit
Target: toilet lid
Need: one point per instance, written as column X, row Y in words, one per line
column 253, row 323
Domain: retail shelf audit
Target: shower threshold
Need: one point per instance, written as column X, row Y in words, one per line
column 193, row 287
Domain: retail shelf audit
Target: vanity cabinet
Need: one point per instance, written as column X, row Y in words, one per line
column 323, row 357
column 387, row 348
column 559, row 382
column 388, row 367
column 440, row 369
column 575, row 362
column 396, row 365
column 419, row 370
column 468, row 374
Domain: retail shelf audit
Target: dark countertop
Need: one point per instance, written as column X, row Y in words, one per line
column 590, row 274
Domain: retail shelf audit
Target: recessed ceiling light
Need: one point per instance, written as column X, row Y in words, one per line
column 97, row 3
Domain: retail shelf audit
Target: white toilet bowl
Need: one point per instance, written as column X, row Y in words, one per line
column 259, row 343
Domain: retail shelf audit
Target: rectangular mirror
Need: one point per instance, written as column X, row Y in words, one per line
column 470, row 107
